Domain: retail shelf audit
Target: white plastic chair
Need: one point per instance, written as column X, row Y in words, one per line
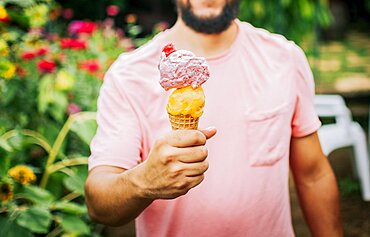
column 344, row 133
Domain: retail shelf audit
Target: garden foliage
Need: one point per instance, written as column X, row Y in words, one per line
column 46, row 80
column 292, row 18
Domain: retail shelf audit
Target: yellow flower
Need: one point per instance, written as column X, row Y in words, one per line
column 7, row 69
column 64, row 80
column 6, row 192
column 37, row 15
column 4, row 49
column 22, row 174
column 3, row 13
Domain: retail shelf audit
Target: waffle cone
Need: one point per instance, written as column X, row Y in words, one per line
column 183, row 122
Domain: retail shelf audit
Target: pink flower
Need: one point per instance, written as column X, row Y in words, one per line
column 112, row 10
column 127, row 44
column 91, row 65
column 68, row 13
column 87, row 27
column 46, row 66
column 69, row 43
column 120, row 33
column 108, row 23
column 73, row 108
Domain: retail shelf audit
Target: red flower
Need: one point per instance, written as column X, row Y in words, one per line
column 42, row 51
column 69, row 43
column 87, row 27
column 28, row 55
column 112, row 10
column 46, row 66
column 90, row 65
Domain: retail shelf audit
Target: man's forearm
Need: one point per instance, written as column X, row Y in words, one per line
column 113, row 198
column 320, row 203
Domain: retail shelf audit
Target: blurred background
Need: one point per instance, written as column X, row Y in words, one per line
column 53, row 55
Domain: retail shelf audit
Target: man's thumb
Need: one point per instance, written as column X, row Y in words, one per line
column 209, row 132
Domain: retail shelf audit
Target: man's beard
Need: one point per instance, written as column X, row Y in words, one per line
column 212, row 24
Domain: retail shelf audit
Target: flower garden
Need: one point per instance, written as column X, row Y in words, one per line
column 47, row 79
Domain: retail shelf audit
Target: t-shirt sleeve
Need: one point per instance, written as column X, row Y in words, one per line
column 118, row 138
column 305, row 120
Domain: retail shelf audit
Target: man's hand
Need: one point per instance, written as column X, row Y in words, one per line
column 175, row 164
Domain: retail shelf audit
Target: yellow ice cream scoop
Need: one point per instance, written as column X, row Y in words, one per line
column 185, row 106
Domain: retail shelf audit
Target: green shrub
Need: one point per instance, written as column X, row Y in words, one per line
column 292, row 18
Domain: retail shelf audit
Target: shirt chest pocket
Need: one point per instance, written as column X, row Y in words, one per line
column 268, row 136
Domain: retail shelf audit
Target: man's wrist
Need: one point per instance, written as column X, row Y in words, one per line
column 135, row 181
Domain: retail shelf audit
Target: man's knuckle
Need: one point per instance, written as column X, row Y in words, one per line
column 198, row 138
column 168, row 155
column 204, row 151
column 200, row 178
column 160, row 142
column 175, row 171
column 181, row 185
column 205, row 165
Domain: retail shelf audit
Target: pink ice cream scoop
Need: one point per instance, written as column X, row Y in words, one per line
column 181, row 68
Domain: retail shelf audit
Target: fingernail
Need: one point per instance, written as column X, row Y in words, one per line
column 210, row 128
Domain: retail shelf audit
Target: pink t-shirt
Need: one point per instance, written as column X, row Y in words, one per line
column 260, row 94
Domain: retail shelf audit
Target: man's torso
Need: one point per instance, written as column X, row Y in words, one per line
column 250, row 99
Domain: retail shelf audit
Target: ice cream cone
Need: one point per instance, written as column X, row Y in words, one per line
column 183, row 122
column 184, row 72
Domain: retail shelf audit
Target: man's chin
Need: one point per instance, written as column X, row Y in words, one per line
column 208, row 20
column 207, row 13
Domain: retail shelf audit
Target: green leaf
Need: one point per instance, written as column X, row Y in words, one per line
column 71, row 208
column 84, row 130
column 75, row 184
column 16, row 142
column 4, row 164
column 38, row 195
column 11, row 229
column 59, row 106
column 55, row 184
column 49, row 129
column 82, row 172
column 36, row 219
column 9, row 93
column 5, row 145
column 19, row 17
column 285, row 3
column 74, row 224
column 45, row 93
column 21, row 3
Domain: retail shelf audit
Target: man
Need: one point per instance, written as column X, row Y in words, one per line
column 260, row 99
